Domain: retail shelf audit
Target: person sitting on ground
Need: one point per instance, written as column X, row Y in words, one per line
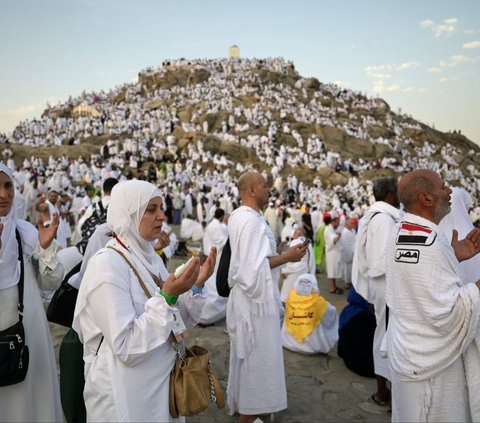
column 311, row 323
column 356, row 331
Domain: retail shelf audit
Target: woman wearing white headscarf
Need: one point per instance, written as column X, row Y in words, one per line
column 459, row 219
column 128, row 347
column 311, row 323
column 37, row 398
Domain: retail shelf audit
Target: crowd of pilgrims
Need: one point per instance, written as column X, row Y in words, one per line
column 199, row 198
column 146, row 118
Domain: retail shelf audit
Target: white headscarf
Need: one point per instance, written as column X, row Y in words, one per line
column 125, row 211
column 9, row 263
column 459, row 219
column 307, row 278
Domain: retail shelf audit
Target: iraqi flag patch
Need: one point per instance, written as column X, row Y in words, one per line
column 413, row 234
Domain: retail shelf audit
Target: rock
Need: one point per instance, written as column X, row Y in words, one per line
column 312, row 84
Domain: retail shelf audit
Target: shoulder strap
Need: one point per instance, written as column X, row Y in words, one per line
column 178, row 346
column 100, row 204
column 20, row 282
column 72, row 272
column 134, row 271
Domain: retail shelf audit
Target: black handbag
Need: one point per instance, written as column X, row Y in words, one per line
column 222, row 271
column 14, row 356
column 62, row 305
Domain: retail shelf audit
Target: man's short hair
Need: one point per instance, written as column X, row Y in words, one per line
column 108, row 184
column 409, row 195
column 384, row 186
column 219, row 213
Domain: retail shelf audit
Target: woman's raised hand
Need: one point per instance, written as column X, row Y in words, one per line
column 46, row 234
column 182, row 283
column 207, row 268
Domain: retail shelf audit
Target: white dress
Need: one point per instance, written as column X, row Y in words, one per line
column 256, row 380
column 128, row 380
column 321, row 340
column 37, row 398
column 332, row 254
column 347, row 248
column 215, row 308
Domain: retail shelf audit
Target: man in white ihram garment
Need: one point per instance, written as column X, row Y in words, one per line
column 332, row 237
column 433, row 315
column 368, row 269
column 216, row 235
column 347, row 249
column 256, row 382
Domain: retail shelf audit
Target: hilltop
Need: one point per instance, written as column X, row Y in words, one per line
column 245, row 113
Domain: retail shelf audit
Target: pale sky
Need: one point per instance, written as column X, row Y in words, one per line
column 422, row 56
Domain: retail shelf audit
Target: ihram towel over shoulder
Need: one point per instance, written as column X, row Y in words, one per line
column 256, row 381
column 427, row 334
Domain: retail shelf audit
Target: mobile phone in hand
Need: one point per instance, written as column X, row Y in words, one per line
column 306, row 242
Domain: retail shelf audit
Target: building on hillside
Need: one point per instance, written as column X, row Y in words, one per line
column 234, row 52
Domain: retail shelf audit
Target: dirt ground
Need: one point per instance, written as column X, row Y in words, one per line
column 320, row 388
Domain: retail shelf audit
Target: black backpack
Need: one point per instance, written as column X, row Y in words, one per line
column 222, row 272
column 98, row 217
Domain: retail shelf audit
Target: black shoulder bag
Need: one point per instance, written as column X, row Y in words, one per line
column 62, row 305
column 13, row 351
column 222, row 271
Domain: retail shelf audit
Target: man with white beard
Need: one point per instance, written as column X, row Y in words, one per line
column 433, row 314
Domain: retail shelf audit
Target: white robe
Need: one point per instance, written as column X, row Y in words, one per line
column 128, row 380
column 215, row 308
column 459, row 219
column 332, row 253
column 347, row 248
column 433, row 319
column 256, row 382
column 321, row 340
column 37, row 398
column 368, row 269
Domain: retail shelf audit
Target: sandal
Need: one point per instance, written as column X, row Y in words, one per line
column 382, row 403
column 337, row 291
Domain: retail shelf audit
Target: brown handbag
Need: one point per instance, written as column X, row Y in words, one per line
column 193, row 381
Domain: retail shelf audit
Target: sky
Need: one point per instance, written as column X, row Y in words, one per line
column 421, row 56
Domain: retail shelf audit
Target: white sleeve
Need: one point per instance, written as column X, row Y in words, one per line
column 114, row 306
column 379, row 231
column 51, row 270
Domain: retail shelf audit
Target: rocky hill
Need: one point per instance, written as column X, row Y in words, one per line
column 256, row 113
